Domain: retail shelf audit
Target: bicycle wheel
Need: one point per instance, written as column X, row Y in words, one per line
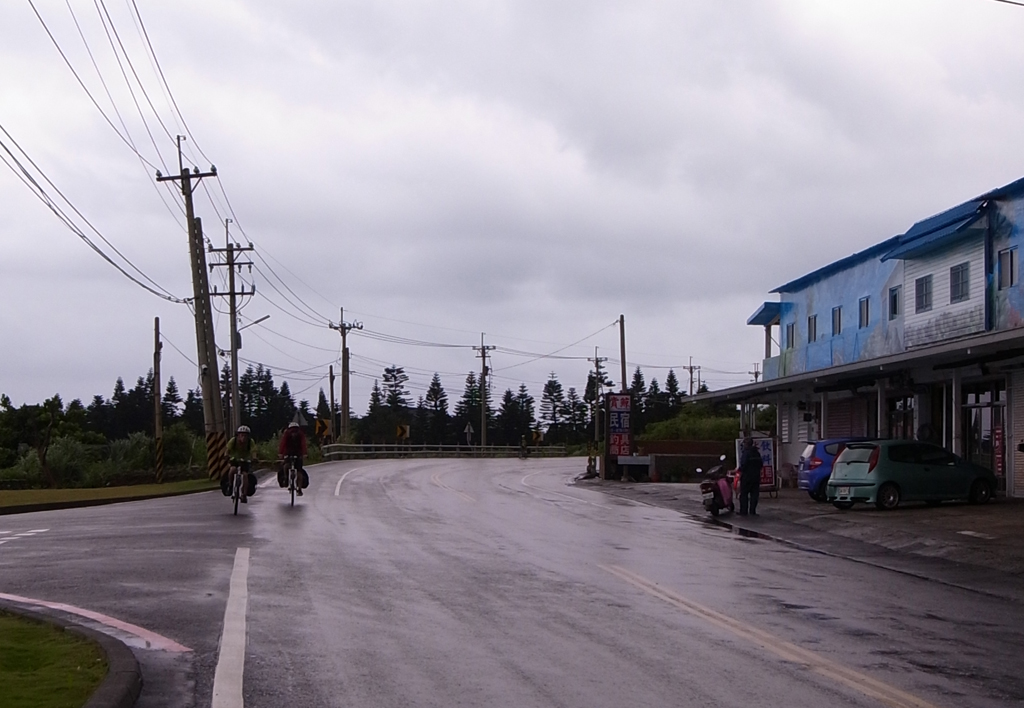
column 291, row 484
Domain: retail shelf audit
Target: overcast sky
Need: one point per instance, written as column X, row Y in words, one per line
column 440, row 169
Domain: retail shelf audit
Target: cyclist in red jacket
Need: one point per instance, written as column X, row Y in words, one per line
column 293, row 444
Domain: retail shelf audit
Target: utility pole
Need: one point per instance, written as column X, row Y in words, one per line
column 756, row 373
column 596, row 410
column 483, row 388
column 158, row 410
column 691, row 368
column 334, row 412
column 232, row 264
column 213, row 412
column 344, row 327
column 622, row 349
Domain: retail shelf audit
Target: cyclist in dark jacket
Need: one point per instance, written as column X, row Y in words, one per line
column 242, row 453
column 293, row 444
column 750, row 477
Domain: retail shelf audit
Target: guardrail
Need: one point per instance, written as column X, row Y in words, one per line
column 341, row 451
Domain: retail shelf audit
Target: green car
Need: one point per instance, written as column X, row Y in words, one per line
column 886, row 472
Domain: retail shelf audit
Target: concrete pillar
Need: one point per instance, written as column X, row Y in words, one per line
column 957, row 423
column 824, row 417
column 883, row 410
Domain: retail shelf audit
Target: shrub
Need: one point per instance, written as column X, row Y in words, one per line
column 68, row 459
column 132, row 454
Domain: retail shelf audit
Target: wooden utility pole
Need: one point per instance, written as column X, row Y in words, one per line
column 622, row 350
column 597, row 397
column 344, row 327
column 233, row 265
column 483, row 388
column 213, row 413
column 334, row 413
column 158, row 409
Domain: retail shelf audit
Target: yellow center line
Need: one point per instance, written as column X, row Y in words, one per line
column 871, row 687
column 436, row 479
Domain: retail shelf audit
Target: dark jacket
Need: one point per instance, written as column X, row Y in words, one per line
column 750, row 462
column 293, row 442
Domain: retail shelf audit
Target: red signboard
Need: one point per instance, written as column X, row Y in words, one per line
column 620, row 440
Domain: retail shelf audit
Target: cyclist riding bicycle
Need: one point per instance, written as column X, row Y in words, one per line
column 293, row 444
column 242, row 453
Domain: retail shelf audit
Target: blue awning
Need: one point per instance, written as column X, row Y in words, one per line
column 767, row 314
column 912, row 246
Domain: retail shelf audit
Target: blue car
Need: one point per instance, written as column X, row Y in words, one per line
column 815, row 466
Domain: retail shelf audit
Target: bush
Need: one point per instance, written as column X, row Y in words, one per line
column 180, row 445
column 68, row 459
column 132, row 454
column 26, row 472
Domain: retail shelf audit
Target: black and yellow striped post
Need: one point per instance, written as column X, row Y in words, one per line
column 217, row 463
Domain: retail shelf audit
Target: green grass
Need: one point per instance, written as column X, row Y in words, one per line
column 42, row 666
column 24, row 497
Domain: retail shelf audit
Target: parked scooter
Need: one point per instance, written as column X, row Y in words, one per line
column 716, row 489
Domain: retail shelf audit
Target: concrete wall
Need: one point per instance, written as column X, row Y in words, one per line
column 946, row 320
column 870, row 278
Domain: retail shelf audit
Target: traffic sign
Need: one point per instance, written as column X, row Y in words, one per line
column 538, row 437
column 319, row 427
column 403, row 432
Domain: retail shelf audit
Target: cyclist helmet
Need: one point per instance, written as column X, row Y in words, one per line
column 293, row 424
column 243, row 429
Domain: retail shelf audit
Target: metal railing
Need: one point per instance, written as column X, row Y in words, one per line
column 356, row 451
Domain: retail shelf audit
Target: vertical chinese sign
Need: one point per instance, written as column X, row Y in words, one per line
column 620, row 437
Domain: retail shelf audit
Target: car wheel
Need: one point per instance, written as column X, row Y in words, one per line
column 981, row 492
column 842, row 504
column 813, row 495
column 888, row 496
column 821, row 494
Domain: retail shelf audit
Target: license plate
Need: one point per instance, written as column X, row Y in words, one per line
column 708, row 496
column 844, row 491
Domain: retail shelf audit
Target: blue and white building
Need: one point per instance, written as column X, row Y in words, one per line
column 921, row 335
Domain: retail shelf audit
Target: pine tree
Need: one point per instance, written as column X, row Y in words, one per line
column 674, row 397
column 436, row 402
column 526, row 410
column 575, row 414
column 171, row 401
column 552, row 403
column 396, row 397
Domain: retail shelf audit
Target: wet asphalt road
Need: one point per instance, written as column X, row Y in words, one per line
column 495, row 583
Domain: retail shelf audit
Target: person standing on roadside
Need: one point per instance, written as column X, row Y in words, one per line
column 750, row 477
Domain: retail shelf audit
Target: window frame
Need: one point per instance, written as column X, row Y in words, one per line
column 863, row 312
column 812, row 328
column 895, row 302
column 790, row 339
column 923, row 291
column 837, row 320
column 960, row 283
column 1007, row 275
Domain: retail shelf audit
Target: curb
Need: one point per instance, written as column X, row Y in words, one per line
column 123, row 682
column 82, row 503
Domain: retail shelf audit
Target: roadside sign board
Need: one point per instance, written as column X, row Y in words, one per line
column 403, row 432
column 620, row 434
column 766, row 446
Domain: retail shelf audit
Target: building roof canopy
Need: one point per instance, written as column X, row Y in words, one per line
column 768, row 314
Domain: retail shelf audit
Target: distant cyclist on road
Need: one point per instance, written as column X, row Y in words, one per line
column 293, row 444
column 242, row 453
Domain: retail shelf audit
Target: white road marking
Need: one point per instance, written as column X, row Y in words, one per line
column 337, row 488
column 227, row 678
column 146, row 638
column 20, row 535
column 978, row 534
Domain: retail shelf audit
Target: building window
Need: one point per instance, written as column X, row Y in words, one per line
column 923, row 294
column 960, row 282
column 895, row 295
column 865, row 313
column 1007, row 268
column 790, row 335
column 812, row 328
column 837, row 321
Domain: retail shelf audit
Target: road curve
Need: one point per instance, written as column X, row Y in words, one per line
column 494, row 582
